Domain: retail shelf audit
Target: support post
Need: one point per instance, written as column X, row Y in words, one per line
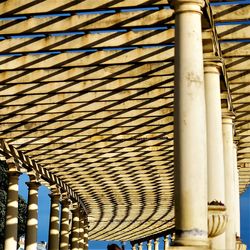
column 11, row 224
column 75, row 229
column 190, row 149
column 166, row 243
column 215, row 161
column 227, row 125
column 32, row 215
column 140, row 245
column 86, row 233
column 64, row 229
column 54, row 222
column 149, row 245
column 81, row 231
column 156, row 244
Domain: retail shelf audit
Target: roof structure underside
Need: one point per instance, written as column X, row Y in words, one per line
column 87, row 93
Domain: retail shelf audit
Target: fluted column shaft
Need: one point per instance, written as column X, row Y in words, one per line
column 237, row 192
column 134, row 246
column 86, row 233
column 64, row 229
column 166, row 243
column 32, row 216
column 149, row 245
column 190, row 147
column 11, row 224
column 156, row 244
column 75, row 229
column 229, row 180
column 54, row 222
column 81, row 232
column 141, row 246
column 216, row 175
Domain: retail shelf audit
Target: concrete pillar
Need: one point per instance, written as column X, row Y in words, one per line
column 215, row 161
column 156, row 244
column 190, row 151
column 64, row 228
column 141, row 246
column 54, row 222
column 166, row 242
column 75, row 229
column 32, row 216
column 237, row 191
column 11, row 224
column 86, row 233
column 81, row 232
column 227, row 125
column 134, row 246
column 149, row 245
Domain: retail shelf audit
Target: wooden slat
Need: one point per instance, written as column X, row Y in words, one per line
column 87, row 22
column 114, row 57
column 237, row 63
column 22, row 7
column 231, row 12
column 238, row 77
column 233, row 32
column 87, row 73
column 55, row 43
column 102, row 85
column 235, row 49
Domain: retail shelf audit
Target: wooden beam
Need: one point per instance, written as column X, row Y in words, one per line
column 114, row 57
column 87, row 73
column 87, row 22
column 88, row 41
column 31, row 7
column 237, row 63
column 235, row 49
column 233, row 32
column 231, row 12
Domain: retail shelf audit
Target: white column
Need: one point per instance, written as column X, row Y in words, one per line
column 166, row 242
column 190, row 151
column 215, row 161
column 229, row 179
column 141, row 246
column 156, row 244
column 54, row 222
column 32, row 216
column 81, row 231
column 237, row 192
column 86, row 233
column 134, row 246
column 11, row 224
column 75, row 229
column 149, row 245
column 64, row 229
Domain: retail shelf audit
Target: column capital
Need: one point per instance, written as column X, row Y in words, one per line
column 227, row 117
column 187, row 5
column 33, row 184
column 55, row 197
column 14, row 173
column 212, row 66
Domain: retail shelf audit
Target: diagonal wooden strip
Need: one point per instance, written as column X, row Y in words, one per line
column 88, row 41
column 87, row 22
column 23, row 7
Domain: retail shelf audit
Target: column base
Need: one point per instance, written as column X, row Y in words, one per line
column 185, row 242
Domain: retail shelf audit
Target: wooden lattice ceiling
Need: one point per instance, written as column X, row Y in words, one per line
column 87, row 92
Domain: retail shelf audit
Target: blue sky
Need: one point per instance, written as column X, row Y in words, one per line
column 44, row 206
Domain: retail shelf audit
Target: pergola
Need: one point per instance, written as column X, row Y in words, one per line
column 87, row 102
